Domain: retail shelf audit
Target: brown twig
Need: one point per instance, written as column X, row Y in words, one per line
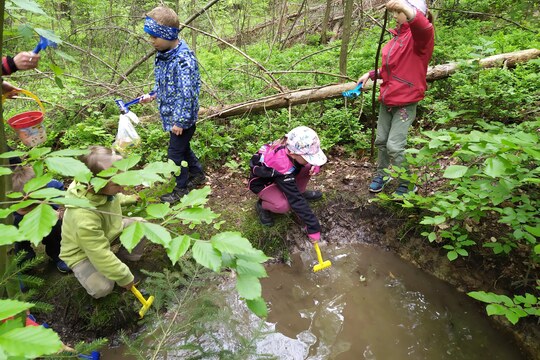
column 486, row 14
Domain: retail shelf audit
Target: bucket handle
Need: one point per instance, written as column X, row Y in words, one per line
column 27, row 93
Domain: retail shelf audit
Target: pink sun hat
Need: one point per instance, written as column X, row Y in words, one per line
column 304, row 141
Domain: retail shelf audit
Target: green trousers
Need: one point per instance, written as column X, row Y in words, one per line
column 391, row 141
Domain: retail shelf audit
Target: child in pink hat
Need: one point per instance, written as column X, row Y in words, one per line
column 280, row 172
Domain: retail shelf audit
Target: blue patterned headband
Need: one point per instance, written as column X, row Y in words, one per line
column 160, row 31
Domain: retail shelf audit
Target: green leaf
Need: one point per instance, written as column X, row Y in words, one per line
column 452, row 255
column 5, row 171
column 38, row 223
column 178, row 247
column 75, row 202
column 197, row 197
column 69, row 152
column 69, row 167
column 49, row 35
column 156, row 233
column 10, row 154
column 160, row 167
column 533, row 230
column 108, row 172
column 495, row 167
column 9, row 307
column 455, row 171
column 128, row 178
column 158, row 211
column 249, row 287
column 98, row 183
column 38, row 152
column 231, row 242
column 205, row 254
column 58, row 71
column 132, row 235
column 127, row 163
column 29, row 5
column 30, row 341
column 47, row 193
column 244, row 267
column 462, row 252
column 254, row 255
column 258, row 307
column 496, row 309
column 37, row 183
column 197, row 215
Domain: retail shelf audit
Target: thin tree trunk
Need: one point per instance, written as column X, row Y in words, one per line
column 324, row 30
column 5, row 181
column 346, row 36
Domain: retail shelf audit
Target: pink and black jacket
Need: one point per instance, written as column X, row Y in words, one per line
column 271, row 165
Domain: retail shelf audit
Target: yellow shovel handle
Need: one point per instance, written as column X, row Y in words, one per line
column 318, row 251
column 138, row 295
column 27, row 93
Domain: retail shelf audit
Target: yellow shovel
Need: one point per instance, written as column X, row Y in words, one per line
column 322, row 264
column 146, row 303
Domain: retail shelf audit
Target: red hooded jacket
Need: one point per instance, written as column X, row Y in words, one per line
column 405, row 60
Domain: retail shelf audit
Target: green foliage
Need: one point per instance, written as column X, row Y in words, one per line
column 513, row 309
column 16, row 340
column 227, row 249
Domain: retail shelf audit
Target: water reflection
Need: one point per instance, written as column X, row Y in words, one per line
column 372, row 305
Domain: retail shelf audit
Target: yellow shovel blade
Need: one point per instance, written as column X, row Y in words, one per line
column 322, row 264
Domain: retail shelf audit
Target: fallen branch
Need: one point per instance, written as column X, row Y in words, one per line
column 328, row 92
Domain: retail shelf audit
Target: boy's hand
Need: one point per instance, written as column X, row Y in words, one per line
column 363, row 78
column 146, row 98
column 177, row 130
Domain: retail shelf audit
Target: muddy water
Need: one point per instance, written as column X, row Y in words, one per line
column 372, row 305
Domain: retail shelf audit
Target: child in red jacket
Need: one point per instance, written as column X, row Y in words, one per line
column 405, row 60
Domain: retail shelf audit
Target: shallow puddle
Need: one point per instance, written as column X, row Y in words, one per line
column 372, row 305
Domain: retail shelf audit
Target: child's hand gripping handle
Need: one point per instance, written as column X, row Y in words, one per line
column 137, row 100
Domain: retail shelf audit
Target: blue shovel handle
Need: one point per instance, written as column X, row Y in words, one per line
column 351, row 94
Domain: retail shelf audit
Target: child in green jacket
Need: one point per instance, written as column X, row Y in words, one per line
column 87, row 234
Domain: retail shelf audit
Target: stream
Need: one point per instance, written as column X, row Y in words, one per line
column 369, row 304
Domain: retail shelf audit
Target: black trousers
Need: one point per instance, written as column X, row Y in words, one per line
column 51, row 242
column 180, row 150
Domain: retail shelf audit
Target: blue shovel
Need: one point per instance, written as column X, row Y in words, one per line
column 354, row 93
column 43, row 44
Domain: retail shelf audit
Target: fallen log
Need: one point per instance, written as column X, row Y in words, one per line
column 333, row 91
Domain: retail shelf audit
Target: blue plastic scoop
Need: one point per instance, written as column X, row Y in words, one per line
column 43, row 44
column 354, row 93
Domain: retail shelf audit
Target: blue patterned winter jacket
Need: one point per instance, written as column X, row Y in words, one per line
column 177, row 86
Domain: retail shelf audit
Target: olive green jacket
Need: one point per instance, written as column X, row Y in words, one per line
column 88, row 233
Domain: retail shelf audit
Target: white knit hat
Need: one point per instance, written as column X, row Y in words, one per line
column 419, row 5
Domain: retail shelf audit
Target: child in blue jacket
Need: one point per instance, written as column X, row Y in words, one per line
column 177, row 86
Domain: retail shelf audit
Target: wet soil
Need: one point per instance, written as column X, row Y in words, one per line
column 348, row 211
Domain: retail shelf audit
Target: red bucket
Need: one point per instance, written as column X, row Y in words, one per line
column 29, row 125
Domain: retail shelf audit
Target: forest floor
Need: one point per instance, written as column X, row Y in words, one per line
column 347, row 209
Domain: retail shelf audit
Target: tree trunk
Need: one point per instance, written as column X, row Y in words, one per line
column 345, row 37
column 324, row 30
column 334, row 91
